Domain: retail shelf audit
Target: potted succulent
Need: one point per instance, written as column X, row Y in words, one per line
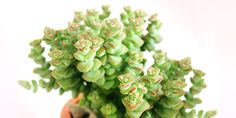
column 100, row 60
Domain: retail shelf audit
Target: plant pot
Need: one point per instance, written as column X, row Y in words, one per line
column 66, row 113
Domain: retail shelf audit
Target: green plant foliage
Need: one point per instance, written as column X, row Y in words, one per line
column 102, row 58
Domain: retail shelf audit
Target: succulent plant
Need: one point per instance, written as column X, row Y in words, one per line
column 102, row 59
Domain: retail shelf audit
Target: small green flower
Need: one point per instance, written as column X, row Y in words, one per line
column 35, row 42
column 126, row 78
column 159, row 57
column 95, row 97
column 109, row 110
column 83, row 44
column 78, row 17
column 153, row 71
column 49, row 34
column 55, row 53
column 185, row 64
column 106, row 12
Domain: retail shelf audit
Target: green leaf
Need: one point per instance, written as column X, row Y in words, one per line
column 92, row 76
column 210, row 114
column 96, row 64
column 84, row 66
column 35, row 86
column 114, row 60
column 25, row 84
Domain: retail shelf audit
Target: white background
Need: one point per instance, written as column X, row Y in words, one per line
column 201, row 29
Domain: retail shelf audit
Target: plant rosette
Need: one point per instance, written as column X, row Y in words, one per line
column 102, row 58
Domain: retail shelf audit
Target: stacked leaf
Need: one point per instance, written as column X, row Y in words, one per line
column 134, row 90
column 152, row 37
